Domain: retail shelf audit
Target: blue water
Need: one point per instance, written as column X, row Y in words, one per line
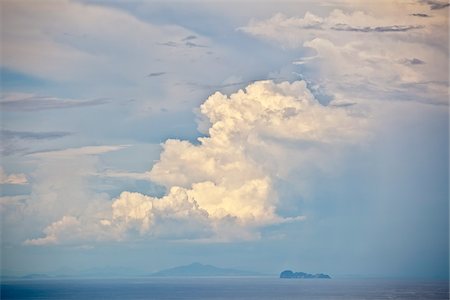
column 222, row 288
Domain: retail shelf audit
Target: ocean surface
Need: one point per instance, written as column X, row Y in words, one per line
column 222, row 288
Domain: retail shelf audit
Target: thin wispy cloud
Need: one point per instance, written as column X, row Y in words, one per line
column 189, row 38
column 33, row 135
column 156, row 74
column 422, row 15
column 392, row 28
column 29, row 102
column 12, row 178
column 412, row 61
column 75, row 152
column 435, row 5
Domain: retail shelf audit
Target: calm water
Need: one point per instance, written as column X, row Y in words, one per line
column 222, row 288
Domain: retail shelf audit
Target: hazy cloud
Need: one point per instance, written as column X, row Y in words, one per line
column 156, row 74
column 392, row 28
column 169, row 44
column 33, row 135
column 189, row 38
column 75, row 152
column 14, row 178
column 191, row 45
column 30, row 102
column 291, row 32
column 420, row 15
column 412, row 61
column 385, row 66
column 15, row 142
column 437, row 4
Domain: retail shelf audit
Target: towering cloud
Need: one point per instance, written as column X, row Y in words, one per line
column 222, row 187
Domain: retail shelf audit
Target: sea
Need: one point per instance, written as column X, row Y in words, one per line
column 223, row 288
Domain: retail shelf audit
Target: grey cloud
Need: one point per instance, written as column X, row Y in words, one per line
column 216, row 86
column 8, row 148
column 392, row 28
column 420, row 15
column 343, row 104
column 232, row 84
column 35, row 103
column 437, row 4
column 191, row 45
column 168, row 44
column 186, row 43
column 29, row 135
column 18, row 142
column 412, row 61
column 156, row 74
column 190, row 37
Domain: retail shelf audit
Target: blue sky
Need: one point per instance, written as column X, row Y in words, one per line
column 301, row 135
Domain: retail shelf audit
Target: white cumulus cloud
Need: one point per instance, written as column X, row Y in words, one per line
column 222, row 188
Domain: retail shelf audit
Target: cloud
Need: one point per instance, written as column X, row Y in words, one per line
column 191, row 45
column 156, row 74
column 379, row 54
column 366, row 71
column 32, row 135
column 392, row 28
column 124, row 174
column 291, row 32
column 76, row 152
column 437, row 4
column 72, row 230
column 420, row 15
column 31, row 102
column 15, row 178
column 53, row 231
column 189, row 38
column 184, row 43
column 71, row 41
column 15, row 142
column 412, row 61
column 62, row 179
column 222, row 189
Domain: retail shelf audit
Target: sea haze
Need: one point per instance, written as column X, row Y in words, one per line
column 223, row 288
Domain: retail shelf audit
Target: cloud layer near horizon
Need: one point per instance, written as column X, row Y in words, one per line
column 223, row 187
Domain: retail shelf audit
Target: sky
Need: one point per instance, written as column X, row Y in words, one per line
column 263, row 136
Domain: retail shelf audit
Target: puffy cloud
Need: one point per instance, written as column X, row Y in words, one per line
column 66, row 225
column 74, row 230
column 223, row 187
column 15, row 178
column 60, row 185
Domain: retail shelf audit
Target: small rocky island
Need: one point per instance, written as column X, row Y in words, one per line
column 290, row 274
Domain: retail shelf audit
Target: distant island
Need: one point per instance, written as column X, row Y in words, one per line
column 191, row 270
column 200, row 270
column 290, row 274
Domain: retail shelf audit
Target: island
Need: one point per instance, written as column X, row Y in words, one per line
column 290, row 274
column 200, row 270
